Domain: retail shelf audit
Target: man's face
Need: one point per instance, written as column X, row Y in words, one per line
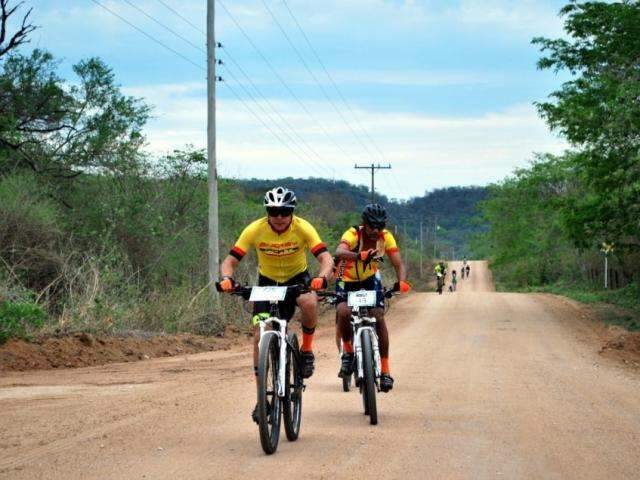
column 372, row 231
column 280, row 218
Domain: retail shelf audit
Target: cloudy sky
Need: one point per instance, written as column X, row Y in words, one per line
column 441, row 90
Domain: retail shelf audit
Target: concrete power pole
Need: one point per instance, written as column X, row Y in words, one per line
column 214, row 254
column 373, row 168
column 435, row 235
column 421, row 248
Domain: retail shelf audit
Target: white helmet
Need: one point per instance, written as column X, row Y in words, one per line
column 280, row 197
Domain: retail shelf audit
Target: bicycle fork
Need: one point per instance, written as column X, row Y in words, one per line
column 281, row 333
column 357, row 345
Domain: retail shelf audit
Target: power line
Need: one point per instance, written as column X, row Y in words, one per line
column 277, row 75
column 312, row 164
column 306, row 38
column 152, row 38
column 177, row 14
column 306, row 66
column 262, row 121
column 238, row 66
column 268, row 103
column 165, row 27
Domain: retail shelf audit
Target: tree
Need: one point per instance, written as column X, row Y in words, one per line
column 12, row 42
column 57, row 129
column 598, row 111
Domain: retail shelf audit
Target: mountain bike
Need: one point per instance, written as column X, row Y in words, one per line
column 367, row 369
column 280, row 383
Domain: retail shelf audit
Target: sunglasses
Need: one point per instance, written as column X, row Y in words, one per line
column 376, row 226
column 279, row 211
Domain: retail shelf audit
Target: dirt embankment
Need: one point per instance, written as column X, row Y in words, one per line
column 616, row 342
column 84, row 349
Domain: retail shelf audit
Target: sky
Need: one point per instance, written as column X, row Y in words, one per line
column 443, row 91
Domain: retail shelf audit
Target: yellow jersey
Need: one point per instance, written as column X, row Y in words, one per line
column 281, row 256
column 353, row 239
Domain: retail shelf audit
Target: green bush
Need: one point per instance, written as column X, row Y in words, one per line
column 17, row 319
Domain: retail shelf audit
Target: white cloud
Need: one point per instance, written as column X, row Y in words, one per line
column 426, row 151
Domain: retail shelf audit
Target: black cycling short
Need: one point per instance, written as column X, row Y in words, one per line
column 288, row 307
column 371, row 283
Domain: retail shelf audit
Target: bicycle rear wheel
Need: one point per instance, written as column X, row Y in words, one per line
column 369, row 381
column 269, row 405
column 292, row 408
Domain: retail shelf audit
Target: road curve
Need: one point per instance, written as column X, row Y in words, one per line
column 488, row 385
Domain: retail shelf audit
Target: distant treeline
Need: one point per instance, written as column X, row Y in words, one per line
column 453, row 209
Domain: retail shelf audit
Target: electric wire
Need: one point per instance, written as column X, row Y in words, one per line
column 198, row 47
column 310, row 162
column 315, row 79
column 151, row 37
column 239, row 67
column 177, row 14
column 313, row 165
column 317, row 56
column 235, row 94
column 279, row 77
column 229, row 56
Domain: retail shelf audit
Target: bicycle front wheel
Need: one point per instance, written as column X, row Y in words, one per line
column 369, row 387
column 269, row 405
column 292, row 410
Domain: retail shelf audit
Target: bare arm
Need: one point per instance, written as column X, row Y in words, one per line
column 326, row 265
column 229, row 266
column 344, row 253
column 398, row 265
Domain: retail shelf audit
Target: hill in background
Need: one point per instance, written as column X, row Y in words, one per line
column 453, row 209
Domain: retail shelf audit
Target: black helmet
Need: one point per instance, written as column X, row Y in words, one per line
column 374, row 215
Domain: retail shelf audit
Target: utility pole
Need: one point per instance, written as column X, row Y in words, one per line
column 607, row 248
column 421, row 248
column 214, row 255
column 373, row 168
column 435, row 234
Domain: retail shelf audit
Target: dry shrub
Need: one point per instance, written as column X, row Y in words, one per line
column 29, row 232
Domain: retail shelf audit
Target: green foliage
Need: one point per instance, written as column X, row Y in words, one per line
column 528, row 241
column 599, row 113
column 59, row 130
column 548, row 221
column 17, row 319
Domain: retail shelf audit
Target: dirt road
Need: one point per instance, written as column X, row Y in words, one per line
column 488, row 385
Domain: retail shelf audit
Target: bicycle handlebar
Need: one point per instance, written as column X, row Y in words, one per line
column 244, row 291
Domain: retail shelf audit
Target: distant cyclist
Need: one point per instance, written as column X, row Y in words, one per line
column 440, row 272
column 281, row 240
column 359, row 249
column 454, row 280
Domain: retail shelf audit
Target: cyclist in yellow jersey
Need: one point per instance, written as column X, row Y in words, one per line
column 281, row 240
column 359, row 248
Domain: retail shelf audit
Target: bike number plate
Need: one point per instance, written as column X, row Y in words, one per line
column 268, row 294
column 362, row 298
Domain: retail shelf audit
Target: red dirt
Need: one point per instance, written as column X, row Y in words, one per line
column 84, row 349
